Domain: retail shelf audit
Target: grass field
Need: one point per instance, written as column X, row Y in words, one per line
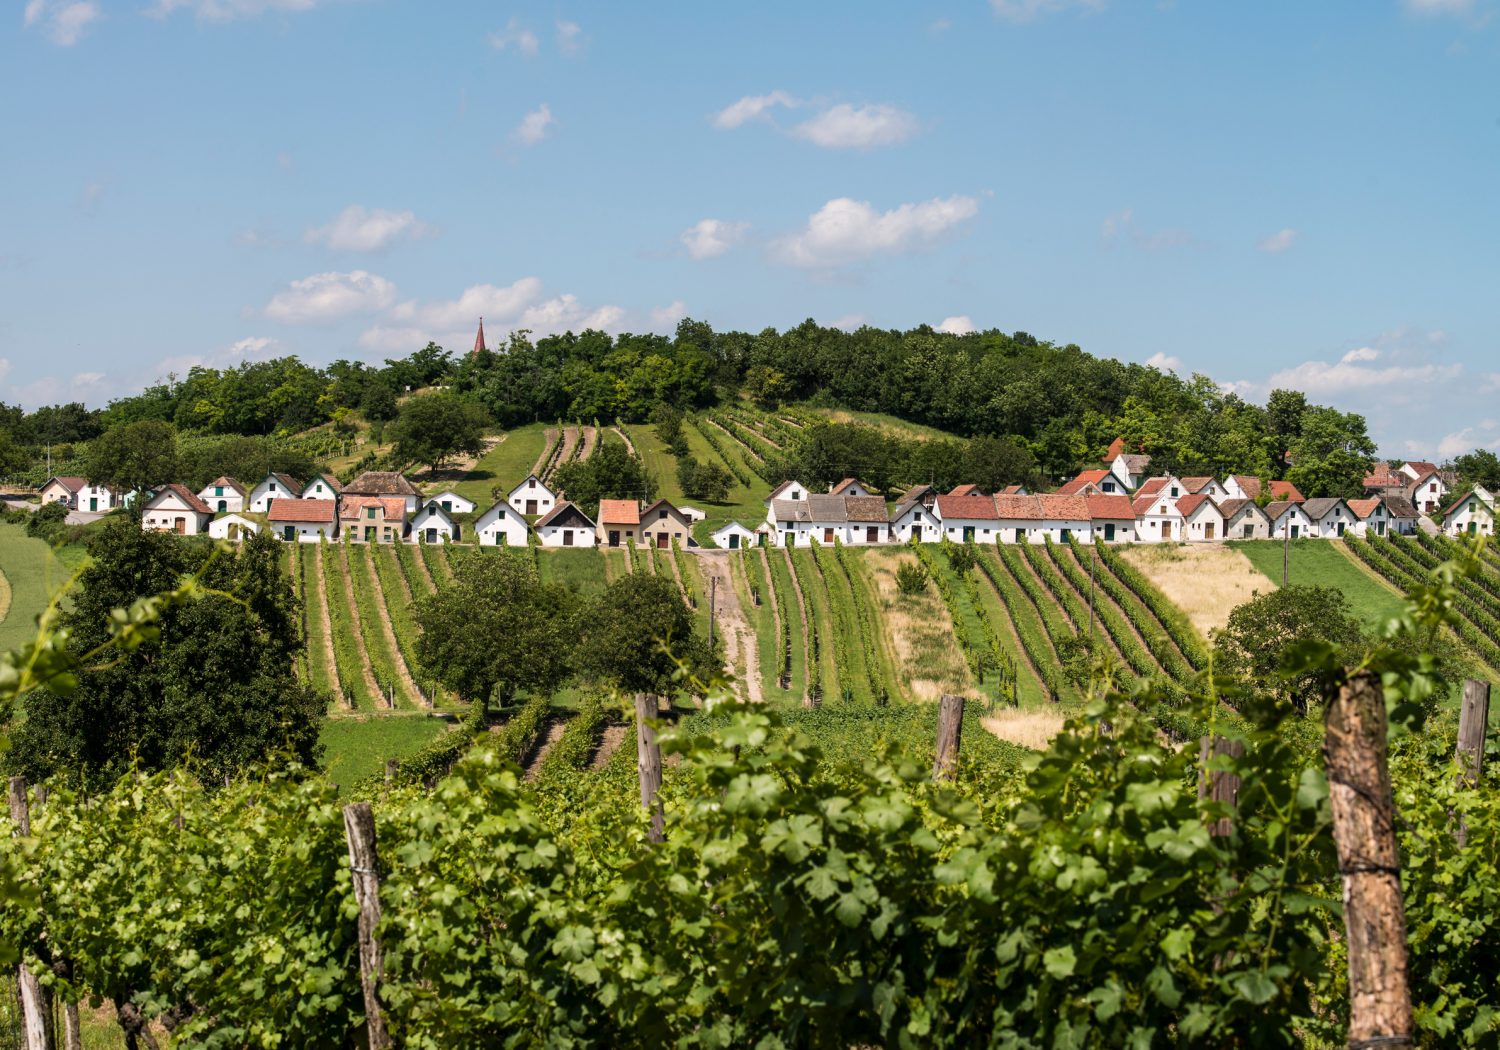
column 358, row 747
column 506, row 465
column 745, row 505
column 1325, row 563
column 892, row 425
column 1207, row 581
column 33, row 571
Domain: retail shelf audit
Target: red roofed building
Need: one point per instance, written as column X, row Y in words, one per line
column 1093, row 482
column 175, row 508
column 1201, row 517
column 304, row 520
column 372, row 519
column 619, row 522
column 968, row 519
column 479, row 346
column 1112, row 518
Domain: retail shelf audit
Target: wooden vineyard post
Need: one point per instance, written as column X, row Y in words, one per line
column 36, row 1002
column 1219, row 785
column 950, row 722
column 648, row 763
column 1364, row 833
column 1473, row 719
column 359, row 829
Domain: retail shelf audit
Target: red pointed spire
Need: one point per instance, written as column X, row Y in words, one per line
column 479, row 338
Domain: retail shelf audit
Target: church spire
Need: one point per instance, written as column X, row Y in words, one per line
column 479, row 338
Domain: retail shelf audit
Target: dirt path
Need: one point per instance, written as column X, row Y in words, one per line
column 549, row 441
column 743, row 658
column 732, row 436
column 807, row 656
column 328, row 654
column 760, row 432
column 671, row 559
column 770, row 598
column 590, row 442
column 372, row 686
column 548, row 740
column 569, row 444
column 790, row 422
column 620, row 433
column 609, row 742
column 398, row 658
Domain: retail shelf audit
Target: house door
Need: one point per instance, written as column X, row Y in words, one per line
column 1208, row 530
column 369, row 533
column 289, row 532
column 179, row 526
column 1109, row 532
column 432, row 535
column 1067, row 534
column 872, row 534
column 93, row 503
column 827, row 535
column 223, row 504
column 1341, row 530
column 567, row 537
column 663, row 540
column 531, row 506
column 968, row 534
column 734, row 542
column 1295, row 530
column 1380, row 528
column 614, row 537
column 1471, row 528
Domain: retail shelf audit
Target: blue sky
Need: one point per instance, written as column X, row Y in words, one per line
column 1273, row 194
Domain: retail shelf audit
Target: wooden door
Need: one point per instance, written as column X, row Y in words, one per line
column 567, row 537
column 179, row 526
column 614, row 537
column 1208, row 530
column 531, row 506
column 827, row 535
column 663, row 540
column 872, row 534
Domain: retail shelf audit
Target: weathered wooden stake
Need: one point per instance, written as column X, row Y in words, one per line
column 359, row 829
column 648, row 764
column 392, row 767
column 950, row 722
column 36, row 1001
column 1473, row 719
column 1364, row 833
column 1218, row 786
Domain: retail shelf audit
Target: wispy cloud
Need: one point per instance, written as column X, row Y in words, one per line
column 1121, row 227
column 361, row 229
column 849, row 127
column 516, row 38
column 1438, row 7
column 1031, row 10
column 1279, row 241
column 846, row 231
column 750, row 108
column 229, row 10
column 665, row 318
column 710, row 238
column 569, row 37
column 330, row 296
column 534, row 126
column 62, row 21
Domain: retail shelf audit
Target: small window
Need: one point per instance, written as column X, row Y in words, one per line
column 370, row 513
column 1174, row 491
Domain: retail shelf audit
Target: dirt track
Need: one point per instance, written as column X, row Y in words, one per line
column 739, row 648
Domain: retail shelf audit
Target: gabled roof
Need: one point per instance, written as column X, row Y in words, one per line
column 1232, row 507
column 531, row 477
column 821, row 508
column 1017, row 507
column 1401, row 507
column 1110, row 508
column 904, row 508
column 1421, row 468
column 1195, row 485
column 565, row 513
column 1249, row 484
column 1145, row 501
column 433, row 508
column 966, row 490
column 667, row 504
column 1383, row 477
column 1055, row 506
column 730, row 526
column 865, row 509
column 619, row 512
column 226, row 482
column 779, row 489
column 971, row 508
column 1285, row 490
column 1077, row 486
column 1319, row 508
column 790, row 510
column 314, row 511
column 1136, row 463
column 352, row 507
column 290, row 483
column 381, row 483
column 842, row 486
column 1275, row 511
column 1190, row 503
column 1363, row 508
column 182, row 493
column 1013, row 490
column 1115, row 450
column 916, row 494
column 1151, row 486
column 1471, row 494
column 68, row 481
column 328, row 479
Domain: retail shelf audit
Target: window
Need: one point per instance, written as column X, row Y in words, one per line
column 1174, row 491
column 370, row 513
column 661, row 516
column 218, row 490
column 272, row 488
column 917, row 517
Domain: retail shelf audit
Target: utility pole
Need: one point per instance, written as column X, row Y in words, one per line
column 1286, row 552
column 713, row 593
column 1093, row 560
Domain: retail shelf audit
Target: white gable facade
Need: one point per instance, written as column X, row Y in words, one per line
column 567, row 536
column 917, row 524
column 232, row 527
column 1204, row 523
column 1471, row 516
column 531, row 497
column 792, row 490
column 1159, row 522
column 1429, row 493
column 1335, row 522
column 1247, row 523
column 433, row 525
column 267, row 492
column 733, row 537
column 319, row 488
column 1293, row 522
column 169, row 512
column 452, row 502
column 222, row 499
column 502, row 526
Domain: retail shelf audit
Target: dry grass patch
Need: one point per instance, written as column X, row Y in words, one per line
column 1206, row 581
column 1026, row 727
column 919, row 632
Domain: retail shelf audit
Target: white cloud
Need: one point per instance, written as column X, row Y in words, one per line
column 1365, row 368
column 480, row 300
column 750, row 107
column 361, row 229
column 534, row 126
column 847, row 127
column 564, row 313
column 666, row 317
column 329, row 296
column 1439, row 7
column 1279, row 241
column 1030, row 10
column 569, row 37
column 850, row 322
column 1363, row 353
column 229, row 10
column 846, row 230
column 1165, row 362
column 62, row 21
column 959, row 324
column 516, row 36
column 1485, row 435
column 709, row 238
column 941, row 25
column 1122, row 226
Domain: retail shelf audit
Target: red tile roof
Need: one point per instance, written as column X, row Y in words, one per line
column 1012, row 490
column 479, row 339
column 1112, row 508
column 972, row 508
column 224, row 481
column 316, row 511
column 1422, row 468
column 1249, row 484
column 1191, row 502
column 182, row 493
column 69, row 482
column 1083, row 481
column 1196, row 484
column 1363, row 508
column 619, row 512
column 966, row 490
column 1150, row 487
column 838, row 490
column 1016, row 507
column 1115, row 450
column 1054, row 506
column 352, row 507
column 1285, row 490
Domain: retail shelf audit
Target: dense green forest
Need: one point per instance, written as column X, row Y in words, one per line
column 1056, row 407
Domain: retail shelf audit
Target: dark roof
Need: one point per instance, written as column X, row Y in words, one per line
column 1136, row 463
column 318, row 511
column 779, row 489
column 560, row 515
column 1230, row 507
column 665, row 504
column 790, row 509
column 381, row 483
column 1323, row 505
column 1279, row 507
column 826, row 508
column 865, row 509
column 1401, row 507
column 333, row 482
column 838, row 490
column 227, row 482
column 917, row 493
column 68, row 481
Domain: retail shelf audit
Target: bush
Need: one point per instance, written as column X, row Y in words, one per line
column 911, row 579
column 961, row 557
column 47, row 523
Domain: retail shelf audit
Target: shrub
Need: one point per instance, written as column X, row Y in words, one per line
column 911, row 579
